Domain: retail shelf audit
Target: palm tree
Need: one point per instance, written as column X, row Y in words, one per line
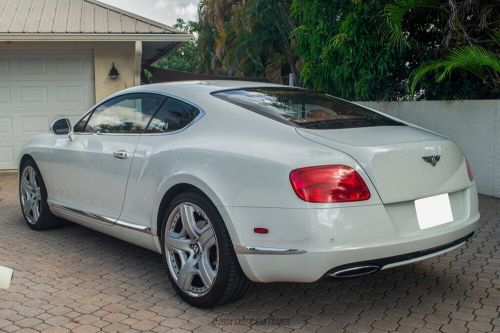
column 470, row 40
column 214, row 32
column 246, row 38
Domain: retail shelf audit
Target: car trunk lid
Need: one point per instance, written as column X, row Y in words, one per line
column 393, row 158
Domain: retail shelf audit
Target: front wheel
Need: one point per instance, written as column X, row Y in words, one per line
column 33, row 198
column 198, row 253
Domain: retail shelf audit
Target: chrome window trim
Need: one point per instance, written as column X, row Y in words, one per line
column 200, row 115
column 116, row 96
column 195, row 119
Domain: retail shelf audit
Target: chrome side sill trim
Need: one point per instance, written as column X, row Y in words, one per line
column 265, row 250
column 63, row 210
column 133, row 226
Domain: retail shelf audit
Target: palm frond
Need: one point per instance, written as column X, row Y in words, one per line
column 472, row 58
column 394, row 14
column 339, row 39
column 273, row 68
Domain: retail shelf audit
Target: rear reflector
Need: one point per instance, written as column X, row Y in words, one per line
column 329, row 183
column 261, row 230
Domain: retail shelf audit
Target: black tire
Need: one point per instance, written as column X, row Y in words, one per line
column 46, row 220
column 230, row 282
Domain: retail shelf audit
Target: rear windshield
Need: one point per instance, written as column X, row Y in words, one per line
column 305, row 108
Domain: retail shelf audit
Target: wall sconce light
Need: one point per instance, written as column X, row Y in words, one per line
column 113, row 73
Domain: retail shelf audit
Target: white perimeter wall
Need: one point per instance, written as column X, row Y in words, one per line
column 474, row 125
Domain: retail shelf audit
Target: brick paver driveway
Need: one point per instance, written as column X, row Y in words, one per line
column 75, row 279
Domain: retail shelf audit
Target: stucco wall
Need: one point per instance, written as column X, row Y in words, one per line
column 125, row 55
column 473, row 125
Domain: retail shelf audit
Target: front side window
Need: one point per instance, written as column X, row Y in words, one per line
column 124, row 114
column 80, row 126
column 172, row 116
column 305, row 108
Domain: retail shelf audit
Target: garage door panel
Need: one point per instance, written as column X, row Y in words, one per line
column 62, row 93
column 7, row 154
column 33, row 94
column 74, row 94
column 5, row 125
column 34, row 124
column 4, row 66
column 5, row 95
column 36, row 88
column 32, row 66
column 70, row 66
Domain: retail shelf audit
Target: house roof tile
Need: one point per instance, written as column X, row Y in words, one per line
column 85, row 17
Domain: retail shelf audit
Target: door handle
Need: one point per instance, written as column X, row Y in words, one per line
column 121, row 154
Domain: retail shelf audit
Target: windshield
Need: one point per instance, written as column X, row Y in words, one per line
column 305, row 108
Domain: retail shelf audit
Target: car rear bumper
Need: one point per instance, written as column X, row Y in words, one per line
column 305, row 245
column 399, row 260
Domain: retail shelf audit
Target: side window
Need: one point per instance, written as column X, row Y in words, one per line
column 80, row 126
column 124, row 114
column 172, row 116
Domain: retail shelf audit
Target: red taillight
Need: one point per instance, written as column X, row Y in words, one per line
column 469, row 169
column 329, row 183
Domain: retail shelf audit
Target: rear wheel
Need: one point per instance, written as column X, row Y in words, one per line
column 198, row 253
column 33, row 198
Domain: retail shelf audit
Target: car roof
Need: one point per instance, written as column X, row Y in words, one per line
column 190, row 89
column 197, row 93
column 209, row 85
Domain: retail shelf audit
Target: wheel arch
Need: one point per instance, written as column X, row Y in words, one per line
column 195, row 186
column 24, row 158
column 171, row 193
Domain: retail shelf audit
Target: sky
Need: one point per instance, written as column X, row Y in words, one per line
column 164, row 11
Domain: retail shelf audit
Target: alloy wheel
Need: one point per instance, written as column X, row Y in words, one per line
column 31, row 197
column 191, row 249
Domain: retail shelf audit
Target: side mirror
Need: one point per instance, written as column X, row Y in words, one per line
column 62, row 127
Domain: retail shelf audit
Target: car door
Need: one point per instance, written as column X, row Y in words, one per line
column 90, row 170
column 156, row 158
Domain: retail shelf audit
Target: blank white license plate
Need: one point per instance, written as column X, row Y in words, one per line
column 433, row 211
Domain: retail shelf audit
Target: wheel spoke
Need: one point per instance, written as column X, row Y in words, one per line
column 183, row 256
column 37, row 195
column 188, row 221
column 207, row 274
column 34, row 208
column 25, row 185
column 32, row 176
column 28, row 204
column 207, row 237
column 174, row 242
column 187, row 273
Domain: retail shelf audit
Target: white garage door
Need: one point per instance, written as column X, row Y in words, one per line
column 35, row 89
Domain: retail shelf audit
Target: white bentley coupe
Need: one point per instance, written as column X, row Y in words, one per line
column 235, row 182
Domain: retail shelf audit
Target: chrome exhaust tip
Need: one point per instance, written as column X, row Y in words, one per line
column 355, row 271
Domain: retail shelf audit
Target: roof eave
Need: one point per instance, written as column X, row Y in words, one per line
column 94, row 37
